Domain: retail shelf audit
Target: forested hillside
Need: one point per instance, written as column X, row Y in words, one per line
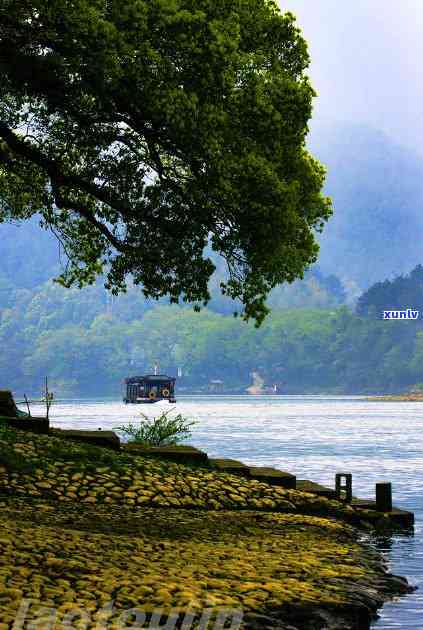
column 400, row 293
column 87, row 352
column 87, row 342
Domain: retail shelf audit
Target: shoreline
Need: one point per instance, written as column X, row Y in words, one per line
column 150, row 533
column 396, row 398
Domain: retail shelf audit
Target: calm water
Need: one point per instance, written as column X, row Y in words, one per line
column 313, row 437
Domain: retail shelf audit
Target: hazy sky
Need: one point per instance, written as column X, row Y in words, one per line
column 367, row 58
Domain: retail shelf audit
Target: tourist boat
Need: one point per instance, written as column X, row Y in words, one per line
column 149, row 389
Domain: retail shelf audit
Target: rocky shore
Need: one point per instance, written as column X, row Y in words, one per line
column 84, row 528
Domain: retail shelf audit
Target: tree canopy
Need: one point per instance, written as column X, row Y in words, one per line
column 143, row 130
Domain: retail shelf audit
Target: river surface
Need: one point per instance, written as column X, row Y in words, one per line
column 313, row 437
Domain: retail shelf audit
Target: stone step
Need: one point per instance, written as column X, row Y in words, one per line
column 273, row 476
column 7, row 404
column 304, row 485
column 172, row 453
column 31, row 423
column 402, row 518
column 364, row 504
column 230, row 466
column 108, row 439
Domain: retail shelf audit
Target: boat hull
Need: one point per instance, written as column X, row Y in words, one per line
column 148, row 401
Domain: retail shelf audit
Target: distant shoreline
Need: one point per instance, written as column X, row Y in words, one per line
column 410, row 397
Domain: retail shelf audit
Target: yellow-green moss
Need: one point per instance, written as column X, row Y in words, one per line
column 170, row 558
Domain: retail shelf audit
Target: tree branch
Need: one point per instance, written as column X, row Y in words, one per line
column 56, row 172
column 57, row 180
column 80, row 208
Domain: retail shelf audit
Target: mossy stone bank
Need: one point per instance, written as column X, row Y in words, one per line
column 84, row 525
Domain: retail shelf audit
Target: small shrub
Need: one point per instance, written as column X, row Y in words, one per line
column 160, row 431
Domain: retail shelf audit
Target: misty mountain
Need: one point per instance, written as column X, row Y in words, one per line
column 377, row 190
column 29, row 255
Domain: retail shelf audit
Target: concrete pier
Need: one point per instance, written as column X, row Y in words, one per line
column 384, row 497
column 343, row 491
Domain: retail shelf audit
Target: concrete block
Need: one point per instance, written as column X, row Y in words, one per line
column 108, row 439
column 273, row 476
column 177, row 453
column 230, row 466
column 30, row 423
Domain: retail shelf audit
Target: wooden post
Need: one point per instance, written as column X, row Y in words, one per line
column 27, row 404
column 384, row 497
column 47, row 401
column 346, row 488
column 48, row 398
